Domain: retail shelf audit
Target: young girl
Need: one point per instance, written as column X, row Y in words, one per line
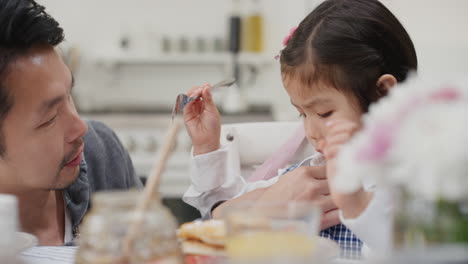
column 344, row 56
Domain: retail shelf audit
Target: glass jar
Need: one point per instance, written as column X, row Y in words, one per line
column 104, row 228
column 272, row 232
column 254, row 28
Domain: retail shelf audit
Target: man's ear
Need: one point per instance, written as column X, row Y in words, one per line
column 386, row 82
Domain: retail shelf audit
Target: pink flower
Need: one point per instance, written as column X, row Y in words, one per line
column 446, row 94
column 381, row 141
column 381, row 135
column 288, row 37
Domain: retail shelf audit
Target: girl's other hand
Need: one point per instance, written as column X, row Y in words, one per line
column 339, row 132
column 202, row 120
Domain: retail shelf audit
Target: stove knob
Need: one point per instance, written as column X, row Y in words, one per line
column 151, row 145
column 131, row 144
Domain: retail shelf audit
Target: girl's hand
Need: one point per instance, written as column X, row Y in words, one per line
column 202, row 120
column 339, row 132
column 306, row 183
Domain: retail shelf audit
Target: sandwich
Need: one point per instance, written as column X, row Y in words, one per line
column 203, row 238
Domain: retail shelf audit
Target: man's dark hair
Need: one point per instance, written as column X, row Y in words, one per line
column 23, row 25
column 350, row 44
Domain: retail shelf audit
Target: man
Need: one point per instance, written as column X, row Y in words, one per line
column 50, row 159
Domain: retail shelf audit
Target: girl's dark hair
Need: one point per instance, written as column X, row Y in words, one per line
column 23, row 25
column 349, row 44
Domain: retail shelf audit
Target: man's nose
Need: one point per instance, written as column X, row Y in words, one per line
column 78, row 128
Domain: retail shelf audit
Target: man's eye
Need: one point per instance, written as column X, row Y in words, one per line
column 302, row 115
column 49, row 122
column 327, row 114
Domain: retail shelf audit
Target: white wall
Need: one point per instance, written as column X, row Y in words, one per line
column 96, row 26
column 437, row 28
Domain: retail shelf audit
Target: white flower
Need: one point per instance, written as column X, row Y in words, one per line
column 417, row 137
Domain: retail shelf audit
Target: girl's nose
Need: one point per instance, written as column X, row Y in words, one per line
column 320, row 145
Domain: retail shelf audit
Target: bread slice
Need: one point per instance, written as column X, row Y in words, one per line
column 212, row 232
column 193, row 247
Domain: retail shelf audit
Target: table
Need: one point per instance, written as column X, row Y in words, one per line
column 48, row 255
column 66, row 255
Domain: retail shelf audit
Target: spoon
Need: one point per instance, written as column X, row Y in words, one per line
column 182, row 99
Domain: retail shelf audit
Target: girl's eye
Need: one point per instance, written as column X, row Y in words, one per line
column 302, row 115
column 327, row 114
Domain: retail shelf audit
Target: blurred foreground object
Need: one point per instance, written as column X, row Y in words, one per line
column 414, row 142
column 105, row 227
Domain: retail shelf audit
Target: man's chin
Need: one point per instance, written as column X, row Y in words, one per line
column 65, row 178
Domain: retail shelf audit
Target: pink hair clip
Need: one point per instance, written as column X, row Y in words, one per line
column 286, row 39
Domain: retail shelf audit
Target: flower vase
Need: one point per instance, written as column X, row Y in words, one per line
column 421, row 222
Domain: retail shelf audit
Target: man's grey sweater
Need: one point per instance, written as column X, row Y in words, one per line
column 106, row 165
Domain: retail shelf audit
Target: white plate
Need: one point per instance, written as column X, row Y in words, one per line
column 24, row 241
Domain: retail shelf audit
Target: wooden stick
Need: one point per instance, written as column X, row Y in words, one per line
column 151, row 187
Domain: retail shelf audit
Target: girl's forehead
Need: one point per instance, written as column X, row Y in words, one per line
column 302, row 94
column 313, row 89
